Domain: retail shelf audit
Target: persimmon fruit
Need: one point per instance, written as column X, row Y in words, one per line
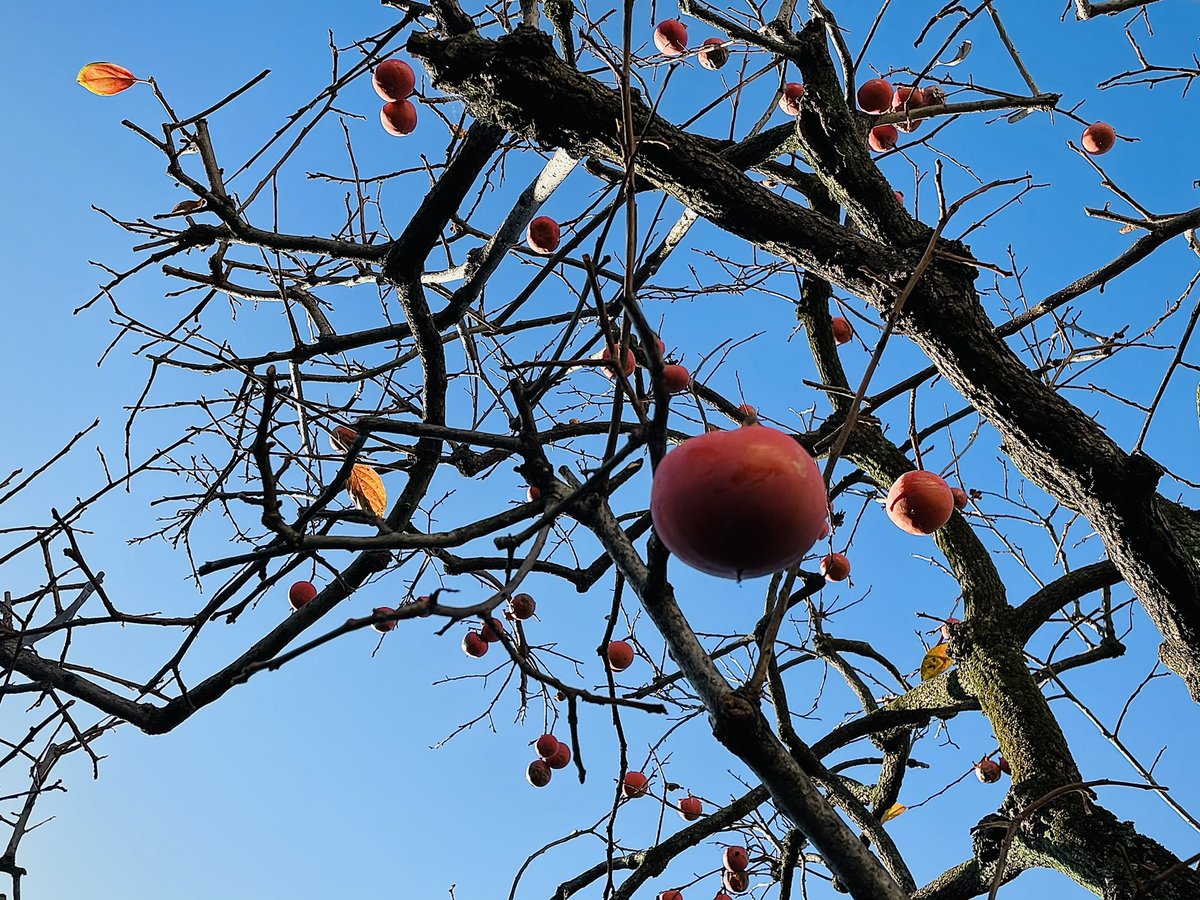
column 740, row 503
column 670, row 37
column 522, row 606
column 676, row 378
column 883, row 137
column 634, row 785
column 875, row 96
column 988, row 771
column 561, row 757
column 735, row 882
column 394, row 79
column 491, row 630
column 920, row 502
column 398, row 117
column 620, row 655
column 384, row 627
column 543, row 235
column 1098, row 138
column 843, row 331
column 790, row 101
column 301, row 594
column 735, row 859
column 713, row 54
column 835, row 567
column 474, row 645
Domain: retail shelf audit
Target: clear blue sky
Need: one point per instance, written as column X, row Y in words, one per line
column 318, row 781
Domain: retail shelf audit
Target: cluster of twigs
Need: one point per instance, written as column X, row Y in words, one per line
column 385, row 324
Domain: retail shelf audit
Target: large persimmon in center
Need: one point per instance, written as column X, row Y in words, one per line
column 739, row 504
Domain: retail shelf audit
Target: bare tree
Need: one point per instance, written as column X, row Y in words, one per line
column 328, row 456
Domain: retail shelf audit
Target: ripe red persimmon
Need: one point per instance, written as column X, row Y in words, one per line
column 713, row 54
column 398, row 117
column 670, row 37
column 1098, row 138
column 920, row 502
column 690, row 808
column 739, row 504
column 532, row 493
column 634, row 785
column 538, row 774
column 561, row 758
column 546, row 746
column 944, row 631
column 960, row 497
column 522, row 606
column 883, row 137
column 735, row 882
column 735, row 859
column 843, row 331
column 790, row 101
column 620, row 655
column 394, row 79
column 987, row 771
column 875, row 96
column 676, row 378
column 384, row 627
column 630, row 362
column 670, row 895
column 835, row 567
column 900, row 197
column 543, row 235
column 301, row 594
column 909, row 98
column 474, row 645
column 491, row 630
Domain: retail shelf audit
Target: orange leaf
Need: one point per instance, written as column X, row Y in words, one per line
column 936, row 661
column 367, row 490
column 896, row 809
column 105, row 78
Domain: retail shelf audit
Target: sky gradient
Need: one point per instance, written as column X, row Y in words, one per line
column 320, row 780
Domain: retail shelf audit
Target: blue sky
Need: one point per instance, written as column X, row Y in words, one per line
column 319, row 780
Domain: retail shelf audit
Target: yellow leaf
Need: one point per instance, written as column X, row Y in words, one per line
column 367, row 490
column 936, row 662
column 105, row 78
column 896, row 809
